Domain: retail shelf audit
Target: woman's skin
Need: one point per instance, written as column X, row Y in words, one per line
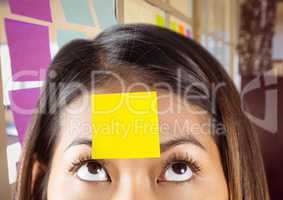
column 189, row 166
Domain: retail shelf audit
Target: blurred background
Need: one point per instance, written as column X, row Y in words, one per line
column 246, row 36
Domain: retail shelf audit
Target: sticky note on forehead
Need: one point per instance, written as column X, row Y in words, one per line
column 125, row 125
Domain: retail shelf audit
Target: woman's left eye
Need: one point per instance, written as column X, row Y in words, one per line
column 92, row 171
column 178, row 172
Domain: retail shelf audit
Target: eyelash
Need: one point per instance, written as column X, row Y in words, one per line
column 75, row 165
column 180, row 157
column 174, row 158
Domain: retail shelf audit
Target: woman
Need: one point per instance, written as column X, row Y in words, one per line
column 220, row 159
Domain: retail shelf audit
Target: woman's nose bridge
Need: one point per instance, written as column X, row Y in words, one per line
column 135, row 184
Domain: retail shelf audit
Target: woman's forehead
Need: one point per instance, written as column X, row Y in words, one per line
column 176, row 117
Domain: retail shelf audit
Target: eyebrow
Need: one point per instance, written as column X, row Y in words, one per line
column 186, row 139
column 80, row 141
column 163, row 146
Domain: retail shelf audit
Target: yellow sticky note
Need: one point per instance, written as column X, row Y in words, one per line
column 159, row 20
column 173, row 26
column 125, row 125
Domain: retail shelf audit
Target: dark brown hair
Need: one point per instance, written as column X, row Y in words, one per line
column 157, row 54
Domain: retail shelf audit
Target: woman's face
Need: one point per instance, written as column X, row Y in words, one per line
column 189, row 166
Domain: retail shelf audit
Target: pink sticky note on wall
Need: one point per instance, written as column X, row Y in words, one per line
column 23, row 103
column 29, row 50
column 39, row 9
column 188, row 32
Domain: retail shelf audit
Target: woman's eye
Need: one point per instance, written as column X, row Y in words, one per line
column 92, row 171
column 178, row 172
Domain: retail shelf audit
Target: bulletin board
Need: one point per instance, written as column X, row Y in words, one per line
column 175, row 15
column 31, row 32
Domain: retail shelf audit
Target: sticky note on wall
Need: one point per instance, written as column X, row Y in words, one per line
column 125, row 125
column 188, row 32
column 173, row 26
column 13, row 156
column 105, row 12
column 29, row 50
column 23, row 103
column 160, row 21
column 77, row 11
column 181, row 29
column 39, row 9
column 65, row 36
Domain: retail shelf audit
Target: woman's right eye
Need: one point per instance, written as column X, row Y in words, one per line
column 92, row 171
